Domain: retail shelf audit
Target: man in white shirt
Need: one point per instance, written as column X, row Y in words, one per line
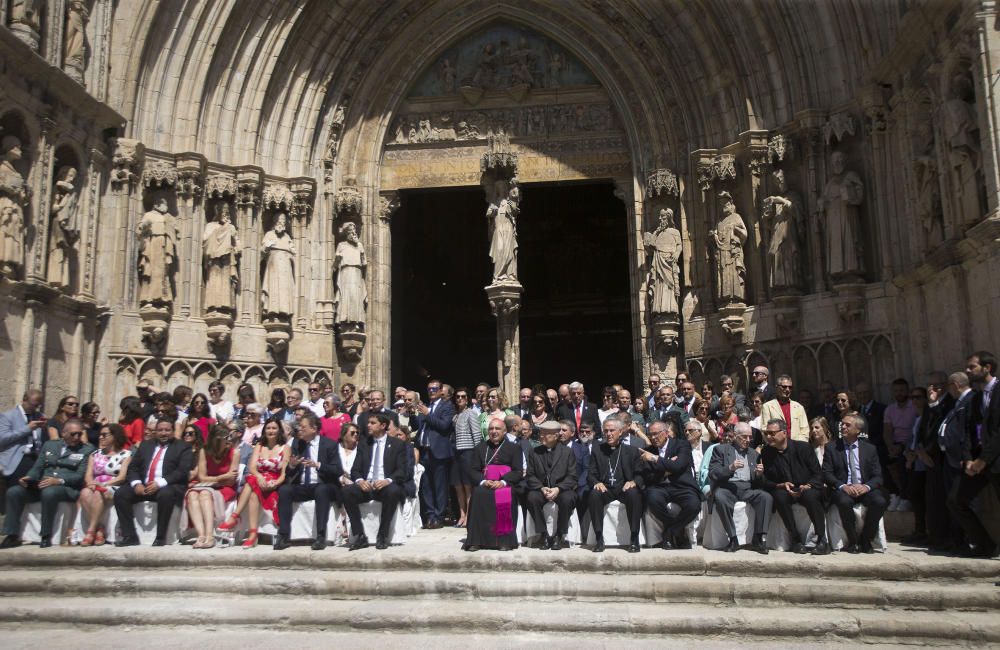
column 315, row 401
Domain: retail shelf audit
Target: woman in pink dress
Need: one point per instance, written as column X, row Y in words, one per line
column 331, row 423
column 105, row 472
column 218, row 466
column 265, row 472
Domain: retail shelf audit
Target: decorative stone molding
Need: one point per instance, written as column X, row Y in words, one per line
column 159, row 173
column 351, row 345
column 713, row 167
column 499, row 158
column 126, row 162
column 303, row 192
column 661, row 182
column 850, row 302
column 190, row 175
column 220, row 328
column 872, row 100
column 155, row 325
column 325, row 313
column 838, row 127
column 724, row 167
column 277, row 196
column 777, row 147
column 759, row 161
column 388, row 203
column 731, row 319
column 666, row 333
column 348, row 202
column 249, row 181
column 279, row 333
column 220, row 186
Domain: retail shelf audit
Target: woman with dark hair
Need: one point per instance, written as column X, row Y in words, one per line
column 276, row 407
column 245, row 396
column 192, row 436
column 844, row 402
column 90, row 416
column 106, row 469
column 539, row 413
column 218, row 465
column 200, row 415
column 609, row 403
column 132, row 420
column 349, row 399
column 265, row 472
column 68, row 408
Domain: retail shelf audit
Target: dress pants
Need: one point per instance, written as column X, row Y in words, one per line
column 390, row 497
column 659, row 497
column 322, row 493
column 565, row 504
column 434, row 484
column 50, row 497
column 963, row 492
column 940, row 528
column 167, row 498
column 812, row 500
column 726, row 496
column 875, row 505
column 633, row 507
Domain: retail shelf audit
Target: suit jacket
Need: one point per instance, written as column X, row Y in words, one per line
column 568, row 412
column 673, row 412
column 798, row 428
column 666, row 470
column 177, row 462
column 582, row 454
column 630, row 463
column 434, row 430
column 874, row 413
column 14, row 435
column 802, row 459
column 835, row 472
column 959, row 431
column 562, row 474
column 766, row 395
column 722, row 459
column 990, row 433
column 328, row 456
column 363, row 420
column 410, row 487
column 930, row 424
column 394, row 461
column 53, row 462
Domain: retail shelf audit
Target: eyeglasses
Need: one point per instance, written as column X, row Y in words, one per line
column 461, row 396
column 75, row 433
column 104, row 434
column 345, row 391
column 433, row 389
column 72, row 404
column 313, row 390
column 186, row 433
column 785, row 386
column 214, row 390
column 757, row 372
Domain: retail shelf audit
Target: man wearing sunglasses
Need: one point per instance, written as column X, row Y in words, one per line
column 434, row 423
column 784, row 407
column 759, row 377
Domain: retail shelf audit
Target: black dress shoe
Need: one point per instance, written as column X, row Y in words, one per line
column 319, row 544
column 127, row 541
column 733, row 545
column 866, row 547
column 599, row 545
column 10, row 541
column 280, row 543
column 435, row 524
column 667, row 545
column 546, row 543
column 633, row 547
column 682, row 543
column 381, row 544
column 472, row 548
column 558, row 543
column 159, row 542
column 822, row 548
column 759, row 546
column 502, row 548
column 45, row 542
column 797, row 547
column 851, row 548
column 360, row 542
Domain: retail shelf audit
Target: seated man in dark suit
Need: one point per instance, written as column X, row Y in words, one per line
column 551, row 478
column 668, row 478
column 567, row 436
column 792, row 475
column 313, row 474
column 614, row 475
column 158, row 472
column 56, row 476
column 402, row 434
column 380, row 472
column 851, row 469
column 734, row 477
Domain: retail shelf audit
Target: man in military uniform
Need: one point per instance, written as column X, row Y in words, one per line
column 55, row 477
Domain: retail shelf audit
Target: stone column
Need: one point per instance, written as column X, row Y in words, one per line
column 88, row 246
column 810, row 122
column 248, row 184
column 380, row 295
column 77, row 363
column 37, row 217
column 988, row 41
column 756, row 160
column 190, row 184
column 505, row 301
column 24, row 356
column 124, row 204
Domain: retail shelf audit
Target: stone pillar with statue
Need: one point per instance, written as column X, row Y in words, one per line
column 664, row 247
column 728, row 238
column 157, row 235
column 220, row 243
column 13, row 200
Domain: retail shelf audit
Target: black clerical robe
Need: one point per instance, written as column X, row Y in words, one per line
column 481, row 529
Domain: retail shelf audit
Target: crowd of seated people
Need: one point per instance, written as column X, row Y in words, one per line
column 666, row 455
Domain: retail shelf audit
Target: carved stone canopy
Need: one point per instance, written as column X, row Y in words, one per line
column 348, row 202
column 661, row 182
column 126, row 160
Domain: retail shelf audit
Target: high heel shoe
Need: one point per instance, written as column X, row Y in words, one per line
column 88, row 539
column 231, row 523
column 251, row 540
column 99, row 538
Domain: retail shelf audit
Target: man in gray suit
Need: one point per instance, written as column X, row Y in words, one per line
column 734, row 473
column 22, row 431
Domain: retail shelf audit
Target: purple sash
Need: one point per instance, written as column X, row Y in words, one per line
column 504, row 521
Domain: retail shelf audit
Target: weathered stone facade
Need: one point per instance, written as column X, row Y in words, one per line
column 863, row 144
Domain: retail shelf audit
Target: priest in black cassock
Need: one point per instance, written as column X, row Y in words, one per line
column 551, row 478
column 615, row 475
column 498, row 463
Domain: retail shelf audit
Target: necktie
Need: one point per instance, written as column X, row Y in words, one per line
column 307, row 474
column 152, row 466
column 853, row 470
column 579, row 412
column 376, row 468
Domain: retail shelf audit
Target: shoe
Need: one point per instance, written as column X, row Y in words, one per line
column 797, row 547
column 682, row 543
column 360, row 542
column 11, row 541
column 99, row 538
column 280, row 543
column 88, row 539
column 557, row 543
column 633, row 546
column 977, row 552
column 866, row 547
column 381, row 544
column 599, row 544
column 199, row 543
column 320, row 543
column 822, row 548
column 500, row 548
column 435, row 524
column 159, row 541
column 732, row 546
column 127, row 541
column 914, row 539
column 209, row 543
column 851, row 548
column 546, row 543
column 471, row 548
column 904, row 505
column 667, row 544
column 45, row 542
column 759, row 544
column 231, row 523
column 251, row 540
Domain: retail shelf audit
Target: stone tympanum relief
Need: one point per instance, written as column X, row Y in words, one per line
column 728, row 239
column 350, row 265
column 220, row 244
column 664, row 248
column 278, row 287
column 840, row 205
column 13, row 198
column 158, row 237
column 64, row 230
column 783, row 219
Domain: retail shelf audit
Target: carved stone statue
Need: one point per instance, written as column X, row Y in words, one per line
column 13, row 197
column 447, row 77
column 961, row 133
column 278, row 288
column 220, row 245
column 728, row 238
column 75, row 37
column 928, row 195
column 502, row 215
column 26, row 12
column 64, row 231
column 157, row 254
column 349, row 264
column 783, row 214
column 842, row 195
column 664, row 270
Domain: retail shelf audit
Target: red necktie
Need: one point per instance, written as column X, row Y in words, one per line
column 152, row 466
column 579, row 411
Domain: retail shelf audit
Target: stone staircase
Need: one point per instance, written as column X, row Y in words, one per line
column 430, row 592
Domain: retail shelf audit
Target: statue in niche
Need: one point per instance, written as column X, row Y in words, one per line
column 961, row 132
column 75, row 37
column 158, row 237
column 26, row 12
column 220, row 245
column 556, row 64
column 928, row 198
column 13, row 198
column 664, row 268
column 505, row 199
column 728, row 238
column 840, row 203
column 783, row 216
column 521, row 58
column 277, row 291
column 64, row 231
column 447, row 77
column 349, row 264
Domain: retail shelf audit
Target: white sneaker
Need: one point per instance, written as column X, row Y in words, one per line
column 893, row 503
column 904, row 506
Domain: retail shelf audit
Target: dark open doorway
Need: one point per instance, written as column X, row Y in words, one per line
column 573, row 264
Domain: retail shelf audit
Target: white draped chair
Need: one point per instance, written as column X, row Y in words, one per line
column 550, row 512
column 616, row 527
column 838, row 537
column 405, row 522
column 31, row 522
column 777, row 535
column 715, row 536
column 653, row 529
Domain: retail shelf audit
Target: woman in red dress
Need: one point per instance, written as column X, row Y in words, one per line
column 218, row 466
column 132, row 420
column 200, row 415
column 265, row 472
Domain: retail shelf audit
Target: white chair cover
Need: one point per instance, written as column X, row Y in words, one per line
column 222, row 511
column 653, row 529
column 303, row 525
column 777, row 536
column 616, row 528
column 715, row 536
column 31, row 522
column 838, row 537
column 549, row 510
